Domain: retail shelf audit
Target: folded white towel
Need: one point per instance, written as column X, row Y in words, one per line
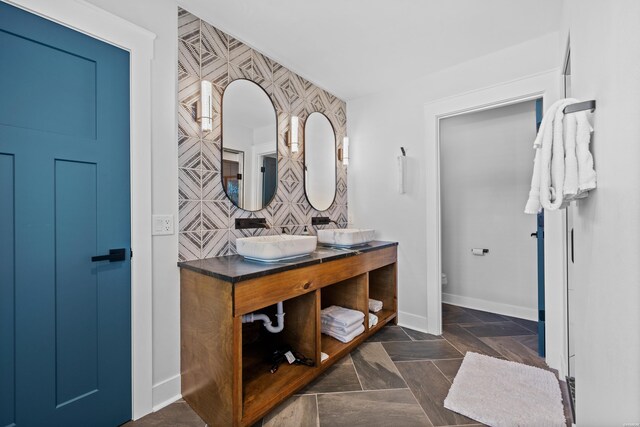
column 342, row 316
column 375, row 305
column 373, row 320
column 346, row 338
column 344, row 330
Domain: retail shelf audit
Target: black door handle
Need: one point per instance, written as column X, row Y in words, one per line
column 114, row 255
column 534, row 234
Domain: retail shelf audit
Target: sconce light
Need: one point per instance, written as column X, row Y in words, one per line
column 205, row 106
column 343, row 154
column 293, row 134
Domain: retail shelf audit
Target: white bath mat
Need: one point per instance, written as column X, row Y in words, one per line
column 500, row 393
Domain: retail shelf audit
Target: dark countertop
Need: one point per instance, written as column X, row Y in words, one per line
column 234, row 268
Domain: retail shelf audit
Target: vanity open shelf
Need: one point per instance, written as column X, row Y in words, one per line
column 381, row 288
column 258, row 382
column 225, row 363
column 351, row 293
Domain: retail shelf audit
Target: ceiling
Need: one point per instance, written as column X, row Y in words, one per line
column 356, row 47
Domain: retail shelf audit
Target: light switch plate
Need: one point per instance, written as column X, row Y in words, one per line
column 162, row 225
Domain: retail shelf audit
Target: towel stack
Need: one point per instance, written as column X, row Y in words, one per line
column 342, row 323
column 563, row 165
column 374, row 307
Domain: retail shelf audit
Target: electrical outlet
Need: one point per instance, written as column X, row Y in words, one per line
column 162, row 225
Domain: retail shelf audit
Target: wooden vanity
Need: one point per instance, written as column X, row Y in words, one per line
column 226, row 377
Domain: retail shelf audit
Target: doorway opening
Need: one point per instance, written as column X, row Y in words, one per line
column 490, row 262
column 233, row 174
column 267, row 178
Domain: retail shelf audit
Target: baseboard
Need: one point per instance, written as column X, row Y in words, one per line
column 491, row 306
column 411, row 321
column 166, row 392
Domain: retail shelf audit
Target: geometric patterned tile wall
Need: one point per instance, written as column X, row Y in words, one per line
column 207, row 217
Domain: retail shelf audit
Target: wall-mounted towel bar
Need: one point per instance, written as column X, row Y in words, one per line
column 580, row 106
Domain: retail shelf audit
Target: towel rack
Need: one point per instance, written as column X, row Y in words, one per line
column 580, row 106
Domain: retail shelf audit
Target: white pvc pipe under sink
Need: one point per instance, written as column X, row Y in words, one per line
column 251, row 317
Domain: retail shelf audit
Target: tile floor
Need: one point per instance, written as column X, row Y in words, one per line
column 399, row 377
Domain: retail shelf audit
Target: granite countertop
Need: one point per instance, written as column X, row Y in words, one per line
column 234, row 268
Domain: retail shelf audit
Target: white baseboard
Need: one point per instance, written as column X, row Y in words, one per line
column 491, row 306
column 166, row 392
column 411, row 321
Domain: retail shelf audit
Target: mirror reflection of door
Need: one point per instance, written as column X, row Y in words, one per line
column 232, row 175
column 269, row 176
column 249, row 145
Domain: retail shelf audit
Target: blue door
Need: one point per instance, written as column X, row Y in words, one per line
column 65, row 334
column 540, row 240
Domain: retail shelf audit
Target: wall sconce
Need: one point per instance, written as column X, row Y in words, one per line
column 343, row 153
column 205, row 106
column 293, row 134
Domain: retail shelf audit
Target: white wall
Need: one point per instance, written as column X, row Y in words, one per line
column 485, row 170
column 161, row 17
column 265, row 135
column 380, row 124
column 605, row 61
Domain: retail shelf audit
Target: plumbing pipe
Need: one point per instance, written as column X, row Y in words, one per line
column 251, row 317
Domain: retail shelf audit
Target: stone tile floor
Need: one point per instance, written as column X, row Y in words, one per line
column 399, row 377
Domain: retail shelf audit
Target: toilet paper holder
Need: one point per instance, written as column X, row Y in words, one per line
column 479, row 251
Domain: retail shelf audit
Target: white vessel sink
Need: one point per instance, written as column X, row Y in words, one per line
column 346, row 237
column 275, row 248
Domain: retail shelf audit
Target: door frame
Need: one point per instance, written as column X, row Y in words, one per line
column 545, row 85
column 102, row 25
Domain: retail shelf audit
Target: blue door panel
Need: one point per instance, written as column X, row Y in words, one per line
column 35, row 322
column 76, row 282
column 7, row 283
column 64, row 141
column 50, row 98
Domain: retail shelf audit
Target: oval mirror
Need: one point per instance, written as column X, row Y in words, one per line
column 249, row 145
column 319, row 161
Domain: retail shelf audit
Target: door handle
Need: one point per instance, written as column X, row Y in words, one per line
column 114, row 255
column 534, row 234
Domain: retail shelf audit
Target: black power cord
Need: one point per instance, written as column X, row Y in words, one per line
column 280, row 355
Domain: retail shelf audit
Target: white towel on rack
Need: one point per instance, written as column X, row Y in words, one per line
column 540, row 181
column 552, row 184
column 563, row 166
column 570, row 161
column 586, row 173
column 533, row 203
